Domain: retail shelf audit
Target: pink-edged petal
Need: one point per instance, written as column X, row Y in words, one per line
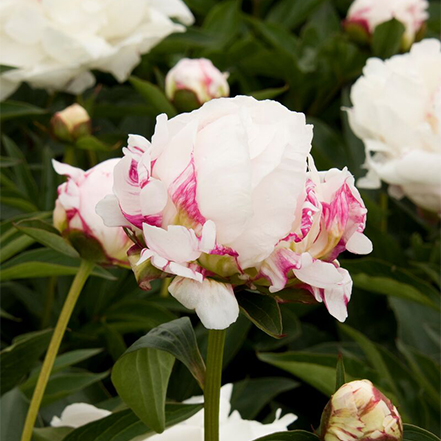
column 317, row 273
column 358, row 243
column 69, row 195
column 74, row 173
column 337, row 297
column 153, row 197
column 208, row 237
column 177, row 243
column 137, row 143
column 109, row 210
column 214, row 302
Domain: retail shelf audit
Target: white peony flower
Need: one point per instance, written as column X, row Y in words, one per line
column 75, row 217
column 368, row 14
column 199, row 76
column 221, row 199
column 397, row 113
column 232, row 427
column 79, row 414
column 358, row 411
column 54, row 44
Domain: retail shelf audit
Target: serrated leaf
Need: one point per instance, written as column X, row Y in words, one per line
column 46, row 234
column 154, row 96
column 125, row 425
column 17, row 360
column 263, row 311
column 141, row 378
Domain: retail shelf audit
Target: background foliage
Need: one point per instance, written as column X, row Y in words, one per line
column 296, row 52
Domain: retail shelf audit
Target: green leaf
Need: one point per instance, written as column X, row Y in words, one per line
column 92, row 144
column 14, row 109
column 6, row 162
column 178, row 339
column 15, row 246
column 263, row 311
column 305, row 366
column 141, row 378
column 154, row 96
column 13, row 410
column 387, row 38
column 4, row 68
column 17, row 360
column 292, row 14
column 223, row 20
column 51, row 433
column 392, row 287
column 125, row 425
column 427, row 372
column 46, row 234
column 414, row 433
column 294, row 435
column 340, row 374
column 373, row 355
column 61, row 362
column 250, row 396
column 44, row 262
column 269, row 94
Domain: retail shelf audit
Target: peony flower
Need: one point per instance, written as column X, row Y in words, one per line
column 79, row 414
column 74, row 214
column 366, row 15
column 397, row 113
column 217, row 199
column 199, row 76
column 359, row 412
column 232, row 426
column 71, row 123
column 54, row 45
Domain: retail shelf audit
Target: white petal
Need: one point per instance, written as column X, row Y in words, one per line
column 79, row 414
column 208, row 237
column 214, row 302
column 177, row 244
column 358, row 243
column 67, row 170
column 337, row 296
column 153, row 197
column 109, row 210
column 317, row 273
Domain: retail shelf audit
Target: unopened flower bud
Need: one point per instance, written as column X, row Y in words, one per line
column 71, row 123
column 360, row 412
column 193, row 82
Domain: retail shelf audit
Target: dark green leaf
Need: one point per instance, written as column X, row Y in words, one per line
column 15, row 246
column 154, row 96
column 51, row 433
column 340, row 374
column 13, row 410
column 295, row 435
column 93, row 144
column 223, row 20
column 46, row 234
column 414, row 433
column 4, row 68
column 263, row 311
column 387, row 38
column 269, row 94
column 125, row 425
column 17, row 360
column 15, row 109
column 141, row 378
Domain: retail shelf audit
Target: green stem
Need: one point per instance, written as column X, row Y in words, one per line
column 69, row 154
column 69, row 304
column 216, row 341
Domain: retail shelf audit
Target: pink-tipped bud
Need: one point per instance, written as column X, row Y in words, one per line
column 191, row 83
column 360, row 412
column 71, row 123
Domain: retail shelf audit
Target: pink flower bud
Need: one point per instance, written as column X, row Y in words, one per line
column 74, row 215
column 360, row 412
column 71, row 123
column 199, row 77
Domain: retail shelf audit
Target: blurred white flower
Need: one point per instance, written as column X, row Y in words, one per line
column 54, row 44
column 397, row 113
column 78, row 414
column 199, row 76
column 232, row 426
column 368, row 14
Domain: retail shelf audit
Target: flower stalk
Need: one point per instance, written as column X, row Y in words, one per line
column 215, row 353
column 54, row 345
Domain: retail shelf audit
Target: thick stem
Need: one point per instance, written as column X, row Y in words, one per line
column 216, row 341
column 69, row 304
